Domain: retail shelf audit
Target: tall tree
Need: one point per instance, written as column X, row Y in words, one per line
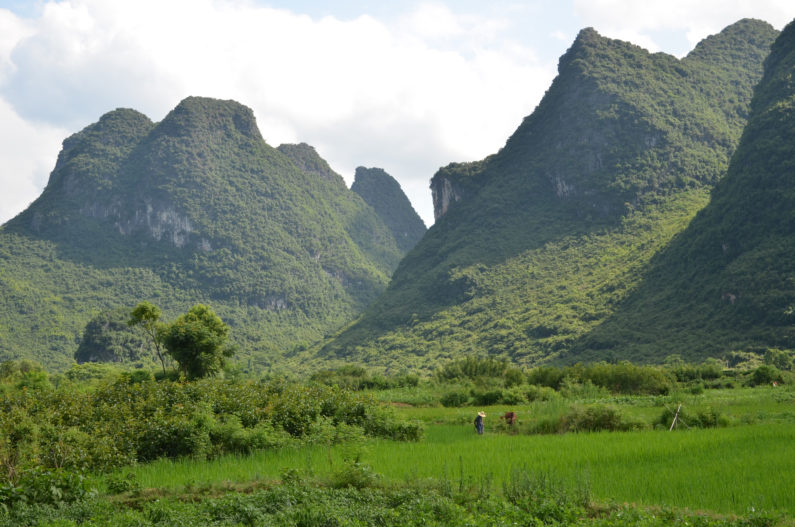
column 197, row 341
column 147, row 316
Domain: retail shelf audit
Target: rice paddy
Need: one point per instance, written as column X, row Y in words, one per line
column 731, row 470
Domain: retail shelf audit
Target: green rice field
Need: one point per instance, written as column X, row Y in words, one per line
column 731, row 470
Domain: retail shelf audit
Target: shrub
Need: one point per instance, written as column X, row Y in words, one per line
column 545, row 498
column 513, row 377
column 471, row 368
column 40, row 486
column 381, row 423
column 356, row 475
column 571, row 389
column 597, row 418
column 703, row 418
column 118, row 483
column 781, row 359
column 455, row 399
column 765, row 374
column 546, row 376
column 624, row 377
column 513, row 396
column 540, row 393
column 486, row 398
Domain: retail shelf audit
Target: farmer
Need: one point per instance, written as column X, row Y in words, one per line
column 479, row 422
column 510, row 418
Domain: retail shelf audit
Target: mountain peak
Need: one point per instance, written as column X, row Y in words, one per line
column 736, row 43
column 198, row 115
column 306, row 158
column 383, row 193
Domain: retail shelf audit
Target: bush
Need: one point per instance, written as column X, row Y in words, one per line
column 513, row 396
column 765, row 374
column 355, row 475
column 455, row 399
column 703, row 418
column 513, row 377
column 486, row 398
column 540, row 393
column 586, row 390
column 40, row 486
column 546, row 376
column 545, row 498
column 597, row 418
column 118, row 483
column 625, row 378
column 471, row 368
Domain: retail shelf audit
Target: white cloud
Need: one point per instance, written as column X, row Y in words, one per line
column 633, row 20
column 407, row 97
column 411, row 93
column 28, row 152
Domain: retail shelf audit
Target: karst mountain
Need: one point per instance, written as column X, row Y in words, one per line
column 194, row 208
column 539, row 244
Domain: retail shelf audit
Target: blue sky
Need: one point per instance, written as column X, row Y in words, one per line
column 407, row 86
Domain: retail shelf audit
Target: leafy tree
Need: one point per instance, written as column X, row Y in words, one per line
column 108, row 337
column 197, row 341
column 147, row 316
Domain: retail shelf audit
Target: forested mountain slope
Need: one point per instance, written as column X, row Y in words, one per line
column 728, row 281
column 196, row 208
column 537, row 244
column 382, row 192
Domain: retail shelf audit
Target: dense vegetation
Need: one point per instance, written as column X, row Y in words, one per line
column 93, row 446
column 194, row 209
column 728, row 280
column 383, row 193
column 130, row 418
column 551, row 233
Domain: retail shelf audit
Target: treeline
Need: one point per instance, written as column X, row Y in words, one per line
column 484, row 381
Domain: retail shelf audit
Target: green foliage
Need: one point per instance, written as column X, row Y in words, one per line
column 700, row 418
column 194, row 209
column 358, row 378
column 383, row 193
column 472, row 368
column 136, row 419
column 765, row 374
column 147, row 316
column 197, row 341
column 546, row 498
column 781, row 359
column 455, row 399
column 735, row 260
column 554, row 231
column 624, row 377
column 108, row 338
column 45, row 487
column 595, row 418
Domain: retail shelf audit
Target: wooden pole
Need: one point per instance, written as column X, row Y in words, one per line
column 676, row 416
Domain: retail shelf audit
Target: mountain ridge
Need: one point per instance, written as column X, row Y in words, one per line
column 615, row 159
column 727, row 282
column 195, row 208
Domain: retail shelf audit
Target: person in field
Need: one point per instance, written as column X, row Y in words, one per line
column 510, row 418
column 479, row 422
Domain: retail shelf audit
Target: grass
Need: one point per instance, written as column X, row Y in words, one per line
column 730, row 470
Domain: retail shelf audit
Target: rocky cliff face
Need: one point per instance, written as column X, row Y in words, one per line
column 444, row 193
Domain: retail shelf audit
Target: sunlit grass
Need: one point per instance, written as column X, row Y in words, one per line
column 724, row 470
